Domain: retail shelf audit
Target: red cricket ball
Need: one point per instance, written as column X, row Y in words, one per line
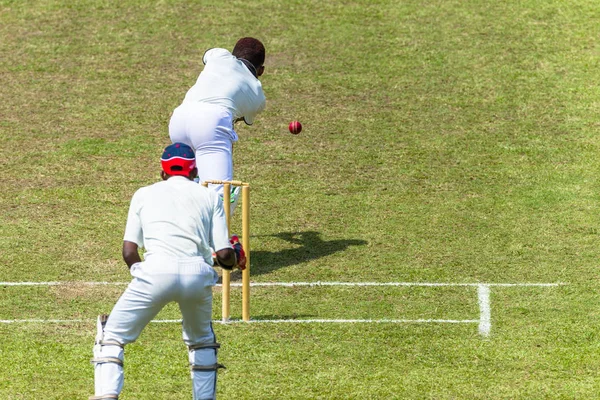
column 295, row 127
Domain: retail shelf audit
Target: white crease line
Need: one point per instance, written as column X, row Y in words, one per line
column 266, row 321
column 356, row 321
column 485, row 311
column 434, row 284
column 295, row 284
column 42, row 321
column 65, row 283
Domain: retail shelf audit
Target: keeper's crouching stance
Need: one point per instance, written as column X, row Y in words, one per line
column 177, row 222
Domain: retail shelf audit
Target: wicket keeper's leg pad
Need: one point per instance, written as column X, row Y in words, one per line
column 108, row 364
column 204, row 366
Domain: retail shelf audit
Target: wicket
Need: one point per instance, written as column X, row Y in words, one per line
column 226, row 277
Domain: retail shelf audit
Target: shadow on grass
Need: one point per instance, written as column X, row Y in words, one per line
column 310, row 247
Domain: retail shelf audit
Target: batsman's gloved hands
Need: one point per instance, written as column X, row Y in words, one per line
column 240, row 254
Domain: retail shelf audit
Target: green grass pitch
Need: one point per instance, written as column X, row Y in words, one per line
column 444, row 141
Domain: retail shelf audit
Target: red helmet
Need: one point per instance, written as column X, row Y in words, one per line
column 178, row 159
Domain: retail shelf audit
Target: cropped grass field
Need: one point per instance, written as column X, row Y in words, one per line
column 444, row 142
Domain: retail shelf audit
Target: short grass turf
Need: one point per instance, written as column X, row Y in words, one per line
column 443, row 141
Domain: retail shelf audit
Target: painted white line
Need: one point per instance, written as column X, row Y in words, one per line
column 432, row 284
column 64, row 283
column 485, row 311
column 295, row 284
column 483, row 294
column 355, row 321
column 42, row 321
column 265, row 321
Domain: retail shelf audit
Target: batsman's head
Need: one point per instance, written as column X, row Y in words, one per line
column 179, row 159
column 253, row 51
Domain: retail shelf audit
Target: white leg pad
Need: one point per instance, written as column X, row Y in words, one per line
column 203, row 363
column 108, row 366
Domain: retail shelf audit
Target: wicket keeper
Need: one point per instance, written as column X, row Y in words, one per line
column 177, row 222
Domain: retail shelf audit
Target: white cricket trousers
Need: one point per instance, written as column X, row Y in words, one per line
column 157, row 281
column 208, row 129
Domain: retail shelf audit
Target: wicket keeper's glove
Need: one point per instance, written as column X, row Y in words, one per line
column 240, row 254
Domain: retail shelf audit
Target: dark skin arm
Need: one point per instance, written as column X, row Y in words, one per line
column 130, row 253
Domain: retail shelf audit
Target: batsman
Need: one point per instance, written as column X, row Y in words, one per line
column 177, row 222
column 227, row 90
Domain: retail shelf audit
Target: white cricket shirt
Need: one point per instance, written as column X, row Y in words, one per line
column 177, row 218
column 227, row 82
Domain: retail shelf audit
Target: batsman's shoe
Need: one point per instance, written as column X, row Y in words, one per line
column 235, row 197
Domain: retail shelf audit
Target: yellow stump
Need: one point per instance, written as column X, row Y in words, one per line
column 246, row 245
column 226, row 277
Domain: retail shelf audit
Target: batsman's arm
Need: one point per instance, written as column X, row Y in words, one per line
column 130, row 253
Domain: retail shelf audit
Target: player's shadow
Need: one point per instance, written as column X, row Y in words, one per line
column 309, row 246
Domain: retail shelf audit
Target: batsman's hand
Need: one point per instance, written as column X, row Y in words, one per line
column 240, row 254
